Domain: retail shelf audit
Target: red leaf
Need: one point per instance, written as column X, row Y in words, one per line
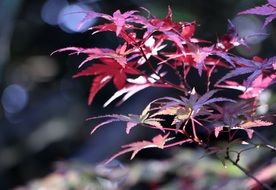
column 131, row 70
column 119, row 20
column 95, row 69
column 257, row 86
column 188, row 30
column 110, row 69
column 119, row 79
column 92, row 53
column 98, row 83
column 128, row 90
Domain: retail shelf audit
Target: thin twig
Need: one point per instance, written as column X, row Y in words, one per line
column 245, row 171
column 161, row 78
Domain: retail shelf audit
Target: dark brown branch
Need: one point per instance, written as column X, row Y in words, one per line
column 246, row 172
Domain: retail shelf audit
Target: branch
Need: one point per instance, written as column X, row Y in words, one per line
column 161, row 78
column 246, row 172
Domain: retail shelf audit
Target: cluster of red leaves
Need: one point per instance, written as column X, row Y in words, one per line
column 153, row 46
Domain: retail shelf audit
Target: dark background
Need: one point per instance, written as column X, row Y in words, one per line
column 43, row 109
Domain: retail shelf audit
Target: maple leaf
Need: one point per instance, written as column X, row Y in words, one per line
column 157, row 142
column 200, row 54
column 246, row 66
column 194, row 106
column 254, row 90
column 268, row 10
column 128, row 90
column 91, row 15
column 230, row 115
column 198, row 57
column 131, row 120
column 233, row 39
column 93, row 53
column 217, row 130
column 186, row 109
column 177, row 32
column 180, row 114
column 237, row 116
column 145, row 40
column 230, row 39
column 151, row 48
column 119, row 21
column 255, row 123
column 110, row 69
column 195, row 102
column 247, row 125
column 96, row 53
column 134, row 86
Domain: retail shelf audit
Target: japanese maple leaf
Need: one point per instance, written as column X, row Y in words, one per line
column 96, row 53
column 131, row 120
column 268, row 10
column 180, row 114
column 187, row 109
column 246, row 66
column 151, row 47
column 195, row 102
column 239, row 115
column 232, row 114
column 255, row 89
column 127, row 32
column 108, row 70
column 91, row 15
column 198, row 57
column 246, row 126
column 177, row 32
column 122, row 20
column 134, row 86
column 119, row 21
column 230, row 39
column 158, row 141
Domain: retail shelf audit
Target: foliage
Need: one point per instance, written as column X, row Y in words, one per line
column 115, row 176
column 268, row 10
column 151, row 48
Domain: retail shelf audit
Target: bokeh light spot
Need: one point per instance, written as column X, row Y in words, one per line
column 71, row 16
column 251, row 28
column 14, row 98
column 51, row 9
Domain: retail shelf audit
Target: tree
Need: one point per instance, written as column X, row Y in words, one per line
column 152, row 47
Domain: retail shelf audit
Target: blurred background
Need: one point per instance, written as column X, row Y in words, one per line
column 43, row 132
